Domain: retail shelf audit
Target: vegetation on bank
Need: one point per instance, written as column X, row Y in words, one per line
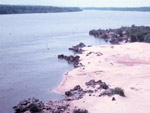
column 80, row 111
column 19, row 9
column 145, row 9
column 124, row 34
column 93, row 89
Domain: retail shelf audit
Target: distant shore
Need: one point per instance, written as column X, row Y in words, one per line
column 142, row 9
column 23, row 9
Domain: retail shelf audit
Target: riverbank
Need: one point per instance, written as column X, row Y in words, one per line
column 25, row 9
column 125, row 66
column 111, row 78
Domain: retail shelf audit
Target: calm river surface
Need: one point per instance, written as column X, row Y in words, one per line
column 30, row 43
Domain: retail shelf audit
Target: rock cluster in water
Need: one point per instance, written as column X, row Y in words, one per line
column 78, row 48
column 123, row 34
column 73, row 59
column 32, row 105
column 36, row 106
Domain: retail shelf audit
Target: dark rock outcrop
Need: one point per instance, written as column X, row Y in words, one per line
column 32, row 105
column 78, row 48
column 99, row 85
column 74, row 94
column 71, row 59
column 62, row 106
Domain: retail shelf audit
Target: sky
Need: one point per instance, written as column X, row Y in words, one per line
column 81, row 3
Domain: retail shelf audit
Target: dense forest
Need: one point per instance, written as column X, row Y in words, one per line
column 18, row 9
column 119, row 8
column 123, row 34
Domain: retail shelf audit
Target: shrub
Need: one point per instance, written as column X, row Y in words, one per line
column 118, row 91
column 80, row 111
column 147, row 38
column 104, row 86
column 34, row 108
column 68, row 93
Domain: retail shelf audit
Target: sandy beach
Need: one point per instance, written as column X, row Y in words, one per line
column 126, row 66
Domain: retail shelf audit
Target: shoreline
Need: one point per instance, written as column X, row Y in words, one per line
column 111, row 78
column 86, row 52
column 115, row 65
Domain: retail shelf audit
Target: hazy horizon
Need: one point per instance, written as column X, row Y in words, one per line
column 80, row 3
column 78, row 6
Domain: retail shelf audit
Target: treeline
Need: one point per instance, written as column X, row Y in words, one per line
column 19, row 9
column 123, row 34
column 145, row 9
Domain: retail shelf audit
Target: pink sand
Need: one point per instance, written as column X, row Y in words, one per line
column 126, row 66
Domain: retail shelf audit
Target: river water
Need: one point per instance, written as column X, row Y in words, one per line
column 30, row 43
